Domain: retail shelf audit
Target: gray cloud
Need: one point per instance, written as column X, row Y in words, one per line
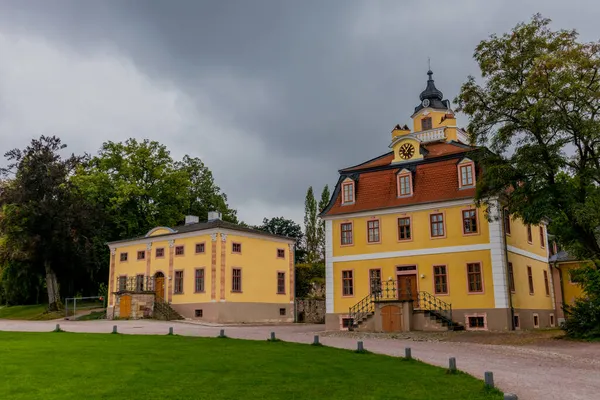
column 274, row 96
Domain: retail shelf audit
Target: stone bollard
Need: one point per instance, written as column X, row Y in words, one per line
column 222, row 333
column 170, row 330
column 489, row 379
column 316, row 340
column 57, row 329
column 452, row 364
column 114, row 329
column 359, row 346
column 407, row 353
column 272, row 336
column 510, row 396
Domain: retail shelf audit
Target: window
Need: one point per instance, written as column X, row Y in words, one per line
column 236, row 280
column 347, row 283
column 199, row 280
column 160, row 252
column 281, row 283
column 198, row 313
column 536, row 321
column 236, row 247
column 123, row 256
column 530, row 279
column 440, row 278
column 426, row 124
column 469, row 221
column 346, row 323
column 466, row 175
column 179, row 250
column 529, row 236
column 347, row 193
column 373, row 231
column 437, row 225
column 178, row 282
column 280, row 253
column 141, row 254
column 516, row 322
column 476, row 322
column 139, row 283
column 542, row 239
column 552, row 320
column 506, row 221
column 200, row 248
column 511, row 277
column 546, row 283
column 474, row 277
column 122, row 283
column 574, row 276
column 404, row 228
column 346, row 233
column 282, row 311
column 404, row 185
column 375, row 280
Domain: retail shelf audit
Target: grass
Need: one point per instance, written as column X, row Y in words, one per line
column 31, row 312
column 101, row 366
column 94, row 315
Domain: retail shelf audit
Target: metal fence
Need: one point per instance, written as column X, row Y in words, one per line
column 83, row 305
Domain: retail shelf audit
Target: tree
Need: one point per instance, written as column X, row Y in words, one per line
column 311, row 226
column 286, row 227
column 45, row 226
column 325, row 195
column 538, row 108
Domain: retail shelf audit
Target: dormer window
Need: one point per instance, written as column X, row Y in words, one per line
column 426, row 124
column 466, row 174
column 405, row 184
column 348, row 192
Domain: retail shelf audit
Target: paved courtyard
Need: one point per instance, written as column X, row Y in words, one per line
column 561, row 370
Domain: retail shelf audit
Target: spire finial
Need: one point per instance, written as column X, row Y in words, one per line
column 429, row 63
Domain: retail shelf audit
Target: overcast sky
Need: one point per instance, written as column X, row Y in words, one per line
column 273, row 96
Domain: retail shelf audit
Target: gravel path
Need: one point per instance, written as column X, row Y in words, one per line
column 561, row 372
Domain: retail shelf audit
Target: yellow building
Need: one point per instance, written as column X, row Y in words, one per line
column 214, row 271
column 566, row 284
column 407, row 249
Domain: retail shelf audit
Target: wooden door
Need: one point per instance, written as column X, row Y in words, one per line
column 159, row 286
column 391, row 318
column 125, row 307
column 407, row 288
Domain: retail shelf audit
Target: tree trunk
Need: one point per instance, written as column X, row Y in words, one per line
column 52, row 286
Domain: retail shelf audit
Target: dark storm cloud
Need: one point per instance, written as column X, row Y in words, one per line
column 317, row 85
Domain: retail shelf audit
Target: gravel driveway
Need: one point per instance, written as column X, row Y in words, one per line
column 565, row 370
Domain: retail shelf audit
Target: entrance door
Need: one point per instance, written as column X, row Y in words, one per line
column 125, row 306
column 407, row 288
column 159, row 285
column 391, row 318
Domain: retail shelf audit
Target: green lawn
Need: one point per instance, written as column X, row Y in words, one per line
column 104, row 366
column 32, row 312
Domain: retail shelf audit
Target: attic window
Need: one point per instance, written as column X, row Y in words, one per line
column 404, row 184
column 466, row 174
column 348, row 192
column 426, row 124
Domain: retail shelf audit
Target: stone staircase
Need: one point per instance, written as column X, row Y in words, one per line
column 163, row 311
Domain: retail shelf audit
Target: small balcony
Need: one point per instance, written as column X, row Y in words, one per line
column 136, row 284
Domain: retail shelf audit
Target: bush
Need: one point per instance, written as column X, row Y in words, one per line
column 583, row 317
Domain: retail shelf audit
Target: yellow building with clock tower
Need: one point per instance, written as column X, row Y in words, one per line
column 407, row 248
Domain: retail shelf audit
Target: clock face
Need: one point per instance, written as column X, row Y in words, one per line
column 426, row 103
column 406, row 151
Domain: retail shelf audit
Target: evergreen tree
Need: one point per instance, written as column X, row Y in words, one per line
column 325, row 195
column 310, row 226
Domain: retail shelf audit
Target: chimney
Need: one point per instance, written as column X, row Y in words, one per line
column 214, row 216
column 191, row 219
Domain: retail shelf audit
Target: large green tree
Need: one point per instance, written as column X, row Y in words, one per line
column 538, row 108
column 45, row 226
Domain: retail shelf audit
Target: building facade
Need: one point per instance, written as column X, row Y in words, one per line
column 566, row 285
column 403, row 228
column 213, row 271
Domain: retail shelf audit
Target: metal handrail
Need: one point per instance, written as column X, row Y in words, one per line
column 429, row 302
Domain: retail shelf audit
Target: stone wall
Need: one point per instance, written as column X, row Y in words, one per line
column 310, row 311
column 142, row 306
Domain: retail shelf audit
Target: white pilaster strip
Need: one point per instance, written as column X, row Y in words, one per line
column 329, row 266
column 549, row 268
column 498, row 256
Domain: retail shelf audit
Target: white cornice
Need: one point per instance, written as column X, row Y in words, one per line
column 412, row 253
column 527, row 254
column 402, row 209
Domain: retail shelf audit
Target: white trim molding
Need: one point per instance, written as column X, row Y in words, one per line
column 409, row 253
column 328, row 267
column 405, row 209
column 498, row 256
column 527, row 254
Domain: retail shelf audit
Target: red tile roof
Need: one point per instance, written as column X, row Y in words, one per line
column 433, row 181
